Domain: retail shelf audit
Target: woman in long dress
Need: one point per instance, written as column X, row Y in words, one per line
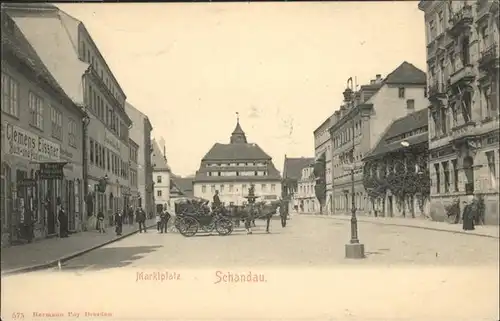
column 468, row 216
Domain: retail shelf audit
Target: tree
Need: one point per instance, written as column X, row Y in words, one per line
column 319, row 172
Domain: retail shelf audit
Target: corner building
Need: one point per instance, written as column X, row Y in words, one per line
column 39, row 123
column 232, row 168
column 463, row 69
column 69, row 53
column 376, row 106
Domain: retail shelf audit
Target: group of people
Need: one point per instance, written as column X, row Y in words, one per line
column 162, row 218
column 282, row 210
column 119, row 219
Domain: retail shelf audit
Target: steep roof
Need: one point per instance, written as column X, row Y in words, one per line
column 292, row 167
column 183, row 184
column 158, row 160
column 400, row 126
column 406, row 73
column 14, row 42
column 46, row 28
column 237, row 152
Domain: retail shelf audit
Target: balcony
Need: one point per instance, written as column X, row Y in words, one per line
column 436, row 91
column 461, row 21
column 462, row 76
column 460, row 132
column 489, row 59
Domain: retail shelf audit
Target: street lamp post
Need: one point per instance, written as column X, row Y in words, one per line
column 354, row 249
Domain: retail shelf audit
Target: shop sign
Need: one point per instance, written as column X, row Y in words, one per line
column 30, row 146
column 51, row 170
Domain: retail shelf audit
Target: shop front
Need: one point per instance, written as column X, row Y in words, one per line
column 29, row 199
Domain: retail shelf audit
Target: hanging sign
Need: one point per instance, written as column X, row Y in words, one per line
column 53, row 170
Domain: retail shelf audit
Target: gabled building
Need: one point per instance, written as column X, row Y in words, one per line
column 68, row 51
column 463, row 75
column 232, row 168
column 395, row 173
column 358, row 126
column 292, row 172
column 161, row 176
column 40, row 123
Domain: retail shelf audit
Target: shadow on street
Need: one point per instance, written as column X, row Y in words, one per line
column 108, row 258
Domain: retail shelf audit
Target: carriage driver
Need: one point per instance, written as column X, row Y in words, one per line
column 216, row 201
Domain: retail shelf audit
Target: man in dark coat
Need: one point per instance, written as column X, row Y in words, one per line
column 164, row 218
column 141, row 219
column 63, row 222
column 283, row 212
column 469, row 215
column 118, row 223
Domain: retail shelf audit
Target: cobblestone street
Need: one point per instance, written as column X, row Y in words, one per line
column 308, row 255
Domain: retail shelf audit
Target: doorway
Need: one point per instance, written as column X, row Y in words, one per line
column 50, row 208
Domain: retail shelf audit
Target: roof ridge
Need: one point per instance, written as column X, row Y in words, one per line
column 65, row 27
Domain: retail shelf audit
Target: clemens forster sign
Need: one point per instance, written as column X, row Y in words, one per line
column 28, row 145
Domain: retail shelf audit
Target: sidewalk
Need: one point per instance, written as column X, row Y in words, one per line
column 481, row 230
column 46, row 252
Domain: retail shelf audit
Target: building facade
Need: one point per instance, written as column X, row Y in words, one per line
column 82, row 72
column 357, row 127
column 395, row 173
column 323, row 145
column 292, row 172
column 141, row 134
column 161, row 176
column 306, row 196
column 232, row 168
column 463, row 69
column 40, row 123
column 133, row 179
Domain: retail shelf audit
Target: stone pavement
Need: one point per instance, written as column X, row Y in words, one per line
column 419, row 222
column 45, row 251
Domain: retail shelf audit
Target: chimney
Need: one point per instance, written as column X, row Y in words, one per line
column 372, row 82
column 378, row 78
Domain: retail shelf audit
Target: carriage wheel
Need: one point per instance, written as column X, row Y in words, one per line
column 224, row 226
column 188, row 226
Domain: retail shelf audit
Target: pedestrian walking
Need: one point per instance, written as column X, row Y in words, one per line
column 141, row 219
column 63, row 222
column 158, row 221
column 118, row 223
column 283, row 213
column 165, row 217
column 100, row 222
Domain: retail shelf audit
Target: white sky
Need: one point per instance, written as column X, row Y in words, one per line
column 283, row 66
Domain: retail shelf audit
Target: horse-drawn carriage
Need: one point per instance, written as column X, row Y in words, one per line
column 194, row 213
